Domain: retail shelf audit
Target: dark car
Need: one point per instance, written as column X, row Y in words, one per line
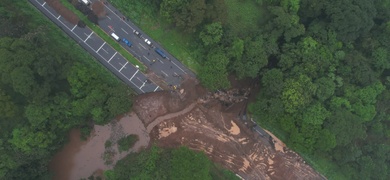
column 127, row 42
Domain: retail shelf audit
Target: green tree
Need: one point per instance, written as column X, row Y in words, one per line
column 211, row 34
column 315, row 114
column 187, row 164
column 214, row 74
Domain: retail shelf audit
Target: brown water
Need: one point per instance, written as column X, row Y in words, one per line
column 79, row 159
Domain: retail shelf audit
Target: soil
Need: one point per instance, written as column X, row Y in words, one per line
column 79, row 159
column 63, row 11
column 98, row 9
column 206, row 122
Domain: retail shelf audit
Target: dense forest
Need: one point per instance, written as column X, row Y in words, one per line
column 157, row 163
column 324, row 69
column 48, row 85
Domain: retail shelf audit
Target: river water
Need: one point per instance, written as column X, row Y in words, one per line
column 80, row 159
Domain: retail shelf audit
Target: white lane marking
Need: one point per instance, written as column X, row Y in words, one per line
column 119, row 17
column 123, row 66
column 156, row 89
column 142, row 85
column 101, row 46
column 73, row 27
column 146, row 58
column 164, row 73
column 108, row 17
column 112, row 57
column 160, row 61
column 124, row 31
column 142, row 46
column 105, row 51
column 98, row 53
column 59, row 17
column 133, row 75
column 43, row 4
column 88, row 36
column 178, row 67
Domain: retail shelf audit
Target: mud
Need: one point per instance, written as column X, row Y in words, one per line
column 63, row 11
column 207, row 124
column 79, row 159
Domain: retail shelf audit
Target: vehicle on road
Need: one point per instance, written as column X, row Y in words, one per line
column 137, row 33
column 148, row 42
column 161, row 53
column 86, row 2
column 127, row 42
column 116, row 37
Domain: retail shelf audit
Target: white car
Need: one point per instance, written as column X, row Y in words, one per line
column 148, row 42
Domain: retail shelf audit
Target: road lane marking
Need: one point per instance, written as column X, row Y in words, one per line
column 142, row 46
column 160, row 61
column 43, row 4
column 124, row 31
column 101, row 46
column 164, row 73
column 119, row 17
column 133, row 75
column 178, row 67
column 59, row 17
column 123, row 66
column 98, row 53
column 73, row 27
column 108, row 17
column 156, row 89
column 146, row 58
column 142, row 85
column 112, row 57
column 105, row 51
column 88, row 36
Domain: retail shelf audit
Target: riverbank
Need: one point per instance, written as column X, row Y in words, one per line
column 80, row 159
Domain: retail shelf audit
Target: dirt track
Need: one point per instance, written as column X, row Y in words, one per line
column 185, row 117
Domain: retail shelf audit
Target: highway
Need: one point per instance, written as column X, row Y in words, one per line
column 104, row 53
column 169, row 69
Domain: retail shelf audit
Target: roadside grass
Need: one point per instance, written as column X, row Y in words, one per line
column 102, row 34
column 245, row 16
column 125, row 143
column 180, row 45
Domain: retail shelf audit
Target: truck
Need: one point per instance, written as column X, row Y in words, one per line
column 116, row 37
column 161, row 53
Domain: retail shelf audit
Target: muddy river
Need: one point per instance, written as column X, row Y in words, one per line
column 79, row 159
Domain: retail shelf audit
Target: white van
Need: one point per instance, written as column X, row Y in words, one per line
column 113, row 35
column 86, row 2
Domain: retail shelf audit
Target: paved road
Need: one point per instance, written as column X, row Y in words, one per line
column 169, row 69
column 104, row 53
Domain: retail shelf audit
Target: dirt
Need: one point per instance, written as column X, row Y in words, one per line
column 193, row 117
column 79, row 159
column 63, row 11
column 98, row 9
column 207, row 122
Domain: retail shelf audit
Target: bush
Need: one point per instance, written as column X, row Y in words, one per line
column 125, row 143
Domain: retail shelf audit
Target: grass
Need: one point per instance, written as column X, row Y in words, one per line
column 125, row 143
column 114, row 44
column 245, row 15
column 180, row 45
column 108, row 144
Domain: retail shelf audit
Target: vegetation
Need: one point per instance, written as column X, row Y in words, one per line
column 125, row 143
column 48, row 85
column 156, row 163
column 114, row 44
column 324, row 68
